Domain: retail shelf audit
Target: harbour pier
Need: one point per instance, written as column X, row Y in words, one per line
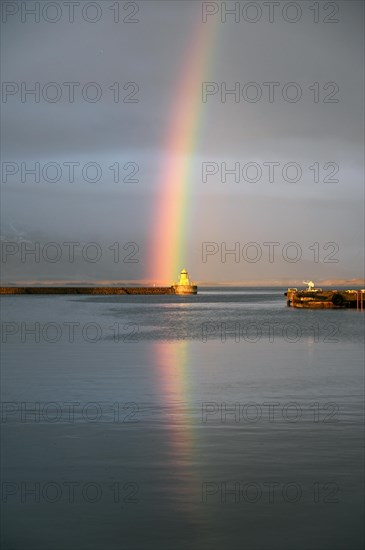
column 182, row 287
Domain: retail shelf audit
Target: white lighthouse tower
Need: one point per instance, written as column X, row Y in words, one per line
column 185, row 286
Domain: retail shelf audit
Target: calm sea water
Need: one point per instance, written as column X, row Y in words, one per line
column 219, row 421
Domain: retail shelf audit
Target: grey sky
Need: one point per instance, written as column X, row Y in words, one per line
column 151, row 53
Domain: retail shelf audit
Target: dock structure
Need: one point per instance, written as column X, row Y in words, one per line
column 316, row 298
column 184, row 286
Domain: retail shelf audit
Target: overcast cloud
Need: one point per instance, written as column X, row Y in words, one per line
column 151, row 53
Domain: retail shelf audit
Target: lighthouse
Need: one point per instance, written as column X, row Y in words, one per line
column 184, row 278
column 185, row 286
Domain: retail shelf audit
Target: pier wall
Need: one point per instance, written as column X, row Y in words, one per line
column 88, row 290
column 326, row 299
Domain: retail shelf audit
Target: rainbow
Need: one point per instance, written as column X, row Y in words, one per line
column 168, row 247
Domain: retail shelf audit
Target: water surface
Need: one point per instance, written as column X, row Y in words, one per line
column 222, row 420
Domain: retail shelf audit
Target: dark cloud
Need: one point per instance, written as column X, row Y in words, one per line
column 152, row 54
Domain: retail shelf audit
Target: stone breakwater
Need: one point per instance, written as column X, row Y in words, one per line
column 111, row 290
